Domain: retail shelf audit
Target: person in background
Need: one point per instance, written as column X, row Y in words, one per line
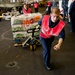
column 72, row 16
column 65, row 8
column 69, row 3
column 26, row 9
column 54, row 4
column 36, row 5
column 51, row 26
column 20, row 9
column 49, row 4
column 61, row 9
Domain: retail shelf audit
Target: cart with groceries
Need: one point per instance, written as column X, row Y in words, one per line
column 24, row 30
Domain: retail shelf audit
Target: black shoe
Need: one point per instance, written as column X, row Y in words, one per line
column 48, row 67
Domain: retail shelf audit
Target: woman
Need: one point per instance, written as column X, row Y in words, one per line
column 51, row 26
column 36, row 6
column 26, row 10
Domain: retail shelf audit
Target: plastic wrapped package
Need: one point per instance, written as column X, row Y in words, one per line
column 20, row 24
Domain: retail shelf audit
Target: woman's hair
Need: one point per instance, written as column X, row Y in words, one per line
column 55, row 10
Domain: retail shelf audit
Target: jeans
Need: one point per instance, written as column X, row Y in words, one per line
column 65, row 13
column 46, row 44
column 72, row 24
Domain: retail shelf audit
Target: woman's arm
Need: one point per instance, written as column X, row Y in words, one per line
column 39, row 23
column 58, row 45
column 61, row 39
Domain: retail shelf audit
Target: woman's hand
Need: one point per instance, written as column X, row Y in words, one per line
column 56, row 47
column 37, row 27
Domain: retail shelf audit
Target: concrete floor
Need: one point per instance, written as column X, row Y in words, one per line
column 31, row 62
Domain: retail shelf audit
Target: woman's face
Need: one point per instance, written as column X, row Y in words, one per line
column 25, row 7
column 54, row 17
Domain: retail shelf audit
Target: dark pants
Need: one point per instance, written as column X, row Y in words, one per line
column 72, row 23
column 65, row 11
column 46, row 43
column 49, row 9
column 36, row 10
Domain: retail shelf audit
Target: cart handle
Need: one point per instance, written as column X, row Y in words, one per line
column 33, row 30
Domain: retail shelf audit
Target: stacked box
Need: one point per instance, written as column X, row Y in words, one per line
column 20, row 24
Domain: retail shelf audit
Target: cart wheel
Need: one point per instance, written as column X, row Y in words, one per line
column 34, row 47
column 31, row 47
